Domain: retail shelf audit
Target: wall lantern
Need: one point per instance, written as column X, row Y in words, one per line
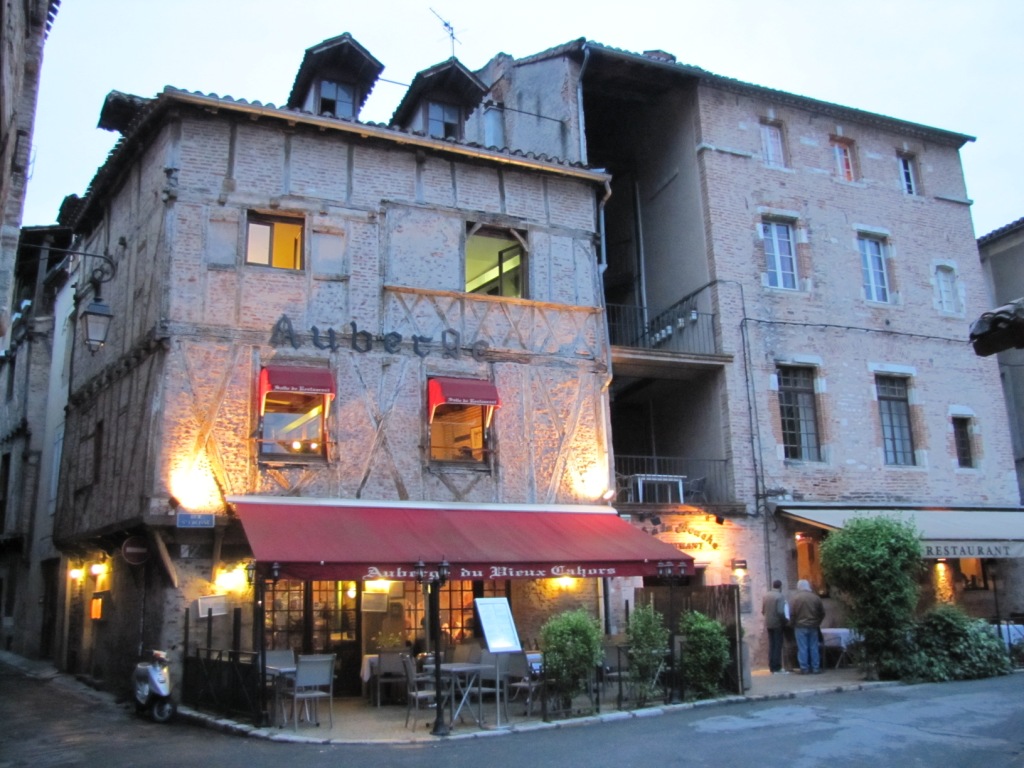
column 275, row 572
column 96, row 318
column 98, row 569
column 250, row 572
column 76, row 574
column 739, row 565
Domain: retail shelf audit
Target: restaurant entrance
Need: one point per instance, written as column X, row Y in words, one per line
column 353, row 619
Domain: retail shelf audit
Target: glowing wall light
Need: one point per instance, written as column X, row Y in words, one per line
column 231, row 579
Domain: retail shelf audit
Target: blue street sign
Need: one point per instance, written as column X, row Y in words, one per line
column 195, row 520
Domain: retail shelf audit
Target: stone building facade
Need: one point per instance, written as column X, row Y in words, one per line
column 30, row 571
column 310, row 307
column 788, row 283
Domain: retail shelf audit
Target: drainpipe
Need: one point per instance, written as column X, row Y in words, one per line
column 579, row 105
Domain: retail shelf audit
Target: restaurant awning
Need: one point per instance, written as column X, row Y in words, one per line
column 945, row 532
column 442, row 390
column 335, row 539
column 307, row 381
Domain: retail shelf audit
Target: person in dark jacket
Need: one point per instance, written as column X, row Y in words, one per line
column 773, row 608
column 806, row 611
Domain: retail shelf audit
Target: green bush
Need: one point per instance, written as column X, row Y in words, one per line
column 648, row 645
column 705, row 654
column 946, row 644
column 572, row 651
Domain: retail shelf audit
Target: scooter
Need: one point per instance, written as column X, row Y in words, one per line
column 153, row 688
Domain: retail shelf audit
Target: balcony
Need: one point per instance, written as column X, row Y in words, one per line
column 681, row 329
column 658, row 480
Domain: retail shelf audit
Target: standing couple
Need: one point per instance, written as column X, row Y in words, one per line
column 805, row 611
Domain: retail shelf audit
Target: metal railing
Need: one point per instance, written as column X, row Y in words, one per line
column 705, row 480
column 680, row 328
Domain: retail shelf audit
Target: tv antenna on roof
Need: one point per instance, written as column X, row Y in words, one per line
column 449, row 29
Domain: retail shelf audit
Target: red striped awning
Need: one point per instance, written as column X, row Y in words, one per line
column 313, row 539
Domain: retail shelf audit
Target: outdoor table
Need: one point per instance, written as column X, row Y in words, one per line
column 1011, row 633
column 841, row 638
column 279, row 675
column 368, row 667
column 462, row 677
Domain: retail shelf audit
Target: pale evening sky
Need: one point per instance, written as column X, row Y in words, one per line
column 949, row 64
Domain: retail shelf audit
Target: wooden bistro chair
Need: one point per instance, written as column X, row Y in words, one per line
column 314, row 681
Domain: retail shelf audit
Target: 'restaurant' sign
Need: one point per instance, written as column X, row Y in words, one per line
column 972, row 548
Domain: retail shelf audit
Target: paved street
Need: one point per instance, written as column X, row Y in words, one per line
column 58, row 722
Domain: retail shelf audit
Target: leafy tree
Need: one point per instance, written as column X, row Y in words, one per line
column 648, row 644
column 705, row 654
column 875, row 564
column 572, row 651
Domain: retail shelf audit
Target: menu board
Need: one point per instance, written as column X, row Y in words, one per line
column 499, row 628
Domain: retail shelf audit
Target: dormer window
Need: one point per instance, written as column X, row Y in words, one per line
column 444, row 121
column 336, row 99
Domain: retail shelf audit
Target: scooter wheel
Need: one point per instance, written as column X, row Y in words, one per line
column 162, row 711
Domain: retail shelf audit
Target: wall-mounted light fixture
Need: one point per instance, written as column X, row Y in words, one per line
column 76, row 574
column 739, row 564
column 275, row 572
column 250, row 572
column 98, row 569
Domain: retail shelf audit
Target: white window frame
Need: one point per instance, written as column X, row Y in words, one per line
column 947, row 289
column 779, row 275
column 874, row 270
column 772, row 147
column 842, row 152
column 908, row 174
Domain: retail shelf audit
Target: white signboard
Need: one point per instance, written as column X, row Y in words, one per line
column 499, row 628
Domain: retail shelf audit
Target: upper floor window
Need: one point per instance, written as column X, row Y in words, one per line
column 798, row 412
column 274, row 241
column 947, row 290
column 873, row 268
column 894, row 410
column 444, row 121
column 780, row 254
column 842, row 153
column 962, row 439
column 459, row 418
column 337, row 99
column 293, row 411
column 908, row 174
column 771, row 145
column 496, row 262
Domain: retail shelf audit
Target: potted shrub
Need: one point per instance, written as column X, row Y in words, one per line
column 572, row 651
column 647, row 636
column 705, row 654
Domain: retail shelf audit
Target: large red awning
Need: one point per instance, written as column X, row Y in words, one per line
column 313, row 539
